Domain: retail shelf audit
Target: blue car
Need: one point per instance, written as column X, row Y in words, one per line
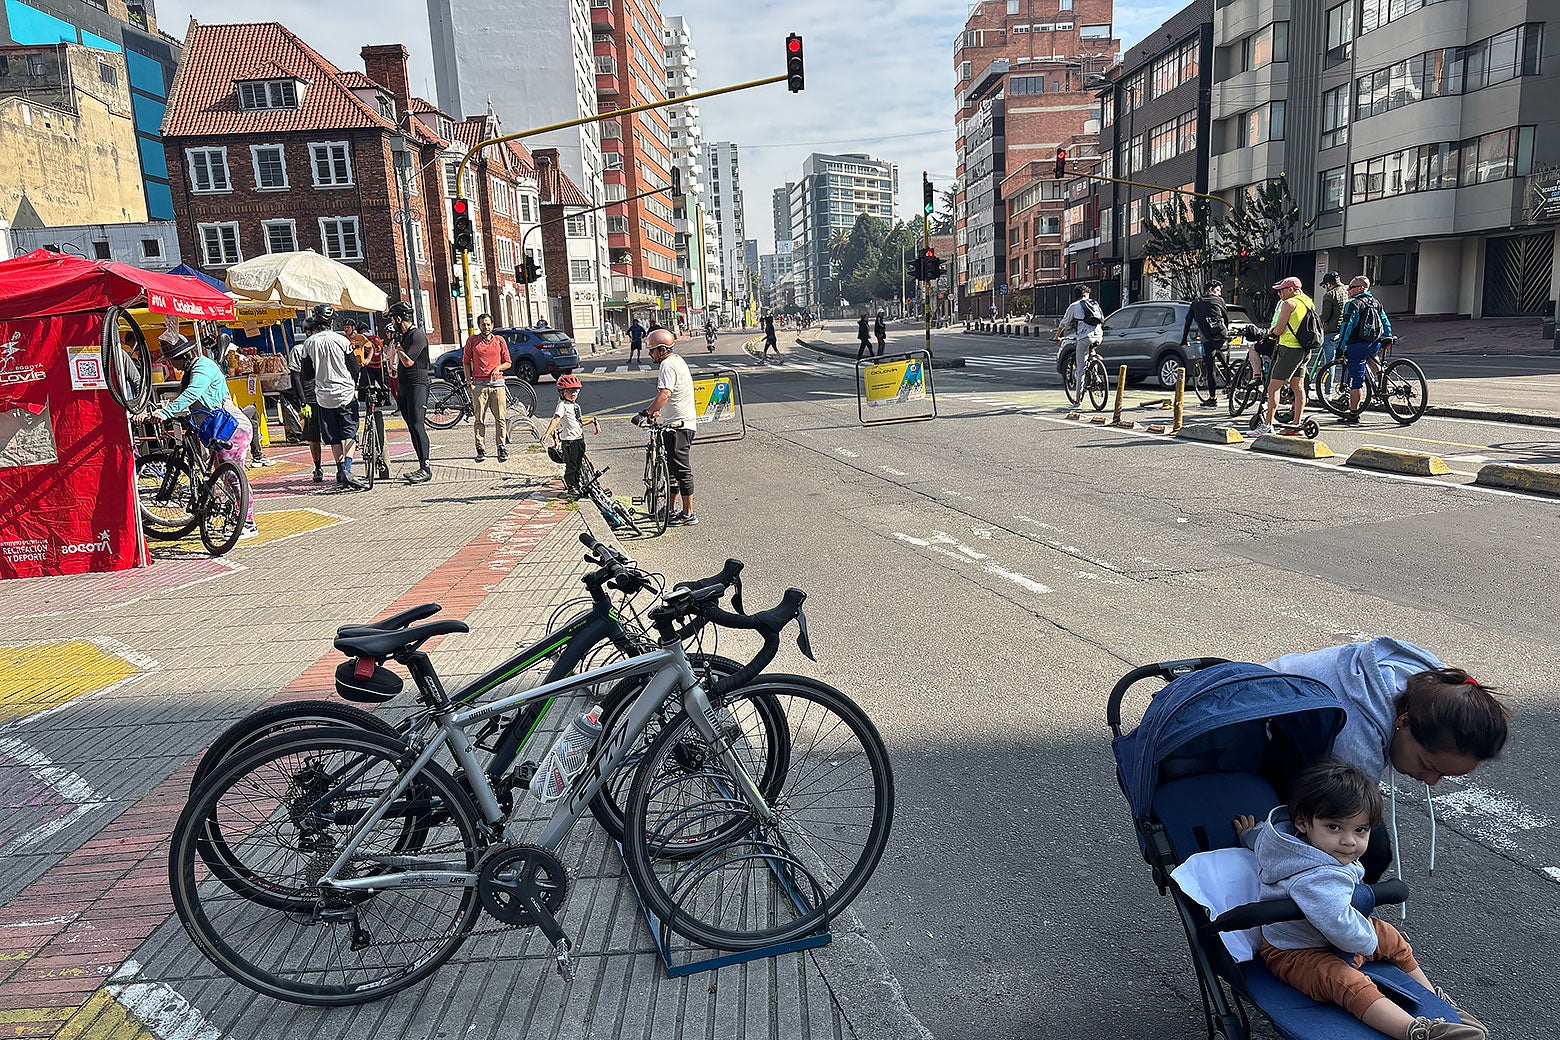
column 535, row 353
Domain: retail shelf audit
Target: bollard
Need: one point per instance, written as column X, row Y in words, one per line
column 1180, row 392
column 1121, row 389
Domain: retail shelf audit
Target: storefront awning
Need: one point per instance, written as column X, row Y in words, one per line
column 44, row 282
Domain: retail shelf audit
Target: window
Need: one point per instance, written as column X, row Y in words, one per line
column 208, row 170
column 1499, row 155
column 1340, row 34
column 527, row 209
column 1132, row 93
column 1387, row 268
column 1013, row 6
column 1376, row 13
column 108, row 74
column 1175, row 68
column 451, row 166
column 339, row 236
column 1089, row 32
column 1020, row 30
column 259, row 95
column 386, row 107
column 101, row 251
column 281, row 236
column 270, row 167
column 418, row 250
column 151, row 249
column 1332, row 190
column 1265, row 46
column 332, row 169
column 580, row 271
column 1050, row 259
column 575, row 226
column 1262, row 124
column 1335, row 117
column 1026, row 84
column 1449, row 71
column 219, row 245
column 1064, row 5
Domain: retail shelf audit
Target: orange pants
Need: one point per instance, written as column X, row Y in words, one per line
column 1323, row 974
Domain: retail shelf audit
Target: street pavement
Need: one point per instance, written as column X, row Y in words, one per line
column 976, row 582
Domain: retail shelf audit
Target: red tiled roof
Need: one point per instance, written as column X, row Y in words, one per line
column 352, row 79
column 569, row 194
column 204, row 101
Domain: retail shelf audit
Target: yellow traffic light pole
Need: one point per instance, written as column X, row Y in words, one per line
column 476, row 149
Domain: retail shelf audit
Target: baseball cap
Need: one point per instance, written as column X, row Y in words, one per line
column 1331, row 278
column 1289, row 283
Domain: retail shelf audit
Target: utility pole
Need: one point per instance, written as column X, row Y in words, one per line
column 928, row 203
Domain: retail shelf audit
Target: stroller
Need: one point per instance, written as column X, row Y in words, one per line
column 1199, row 757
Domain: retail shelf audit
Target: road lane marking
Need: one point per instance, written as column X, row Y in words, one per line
column 1426, row 440
column 1496, row 819
column 940, row 543
column 1553, row 872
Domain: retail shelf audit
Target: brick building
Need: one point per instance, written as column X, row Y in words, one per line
column 502, row 189
column 1023, row 70
column 568, row 248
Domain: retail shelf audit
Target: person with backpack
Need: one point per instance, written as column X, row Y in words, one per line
column 1085, row 322
column 1365, row 327
column 1213, row 324
column 1298, row 332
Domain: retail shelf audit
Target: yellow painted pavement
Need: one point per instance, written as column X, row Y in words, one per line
column 273, row 526
column 104, row 1018
column 42, row 675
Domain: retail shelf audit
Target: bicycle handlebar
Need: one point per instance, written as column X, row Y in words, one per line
column 768, row 623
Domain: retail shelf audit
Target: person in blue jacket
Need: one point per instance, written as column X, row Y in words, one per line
column 1365, row 328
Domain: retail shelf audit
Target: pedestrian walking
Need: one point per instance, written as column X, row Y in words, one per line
column 1084, row 322
column 864, row 334
column 300, row 395
column 770, row 340
column 412, row 384
column 1213, row 325
column 880, row 330
column 1297, row 331
column 1365, row 326
column 674, row 392
column 485, row 359
column 568, row 427
column 636, row 339
column 1330, row 312
column 329, row 355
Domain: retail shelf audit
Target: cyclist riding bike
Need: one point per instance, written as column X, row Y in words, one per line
column 1213, row 324
column 709, row 336
column 1085, row 322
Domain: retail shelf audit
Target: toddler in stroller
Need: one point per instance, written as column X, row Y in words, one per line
column 1202, row 756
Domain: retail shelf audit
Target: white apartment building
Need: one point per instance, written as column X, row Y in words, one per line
column 833, row 191
column 534, row 61
column 687, row 152
column 725, row 172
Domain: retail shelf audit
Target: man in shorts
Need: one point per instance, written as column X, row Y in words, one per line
column 674, row 393
column 329, row 356
column 1289, row 356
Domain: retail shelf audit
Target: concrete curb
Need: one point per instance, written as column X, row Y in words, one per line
column 1291, row 447
column 1207, row 433
column 825, row 347
column 864, row 989
column 1390, row 460
column 1519, row 478
column 1493, row 415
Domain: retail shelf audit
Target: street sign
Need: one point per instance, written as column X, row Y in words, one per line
column 1002, row 290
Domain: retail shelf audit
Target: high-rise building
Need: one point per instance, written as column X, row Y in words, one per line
column 781, row 201
column 537, row 62
column 833, row 191
column 688, row 211
column 725, row 172
column 1025, row 72
column 148, row 59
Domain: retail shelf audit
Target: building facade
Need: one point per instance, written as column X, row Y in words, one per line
column 152, row 246
column 687, row 151
column 723, row 163
column 128, row 28
column 568, row 243
column 1023, row 76
column 832, row 192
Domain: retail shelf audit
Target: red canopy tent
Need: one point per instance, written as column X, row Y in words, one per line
column 67, row 466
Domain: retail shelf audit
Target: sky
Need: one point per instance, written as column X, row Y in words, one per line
column 879, row 74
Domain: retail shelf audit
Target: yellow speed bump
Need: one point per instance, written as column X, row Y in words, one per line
column 1075, row 415
column 1208, row 433
column 1099, row 420
column 1291, row 447
column 1519, row 478
column 1390, row 460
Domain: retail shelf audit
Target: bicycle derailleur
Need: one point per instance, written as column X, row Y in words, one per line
column 525, row 885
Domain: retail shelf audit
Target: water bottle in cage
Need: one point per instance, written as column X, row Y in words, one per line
column 567, row 757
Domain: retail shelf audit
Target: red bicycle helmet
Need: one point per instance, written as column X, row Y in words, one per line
column 568, row 382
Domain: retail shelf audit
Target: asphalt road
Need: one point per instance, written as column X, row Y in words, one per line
column 978, row 582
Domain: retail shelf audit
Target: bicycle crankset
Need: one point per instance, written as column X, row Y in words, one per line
column 516, row 879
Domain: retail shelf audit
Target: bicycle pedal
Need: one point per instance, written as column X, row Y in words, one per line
column 567, row 966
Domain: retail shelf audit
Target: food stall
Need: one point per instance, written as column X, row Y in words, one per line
column 67, row 375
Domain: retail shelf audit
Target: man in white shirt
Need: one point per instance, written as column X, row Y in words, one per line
column 330, row 357
column 675, row 394
column 1084, row 321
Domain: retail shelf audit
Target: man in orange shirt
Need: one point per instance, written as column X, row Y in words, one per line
column 485, row 360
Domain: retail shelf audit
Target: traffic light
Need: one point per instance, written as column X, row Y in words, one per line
column 935, row 266
column 455, row 284
column 915, row 266
column 464, row 235
column 677, row 182
column 528, row 271
column 1061, row 163
column 794, row 80
column 928, row 202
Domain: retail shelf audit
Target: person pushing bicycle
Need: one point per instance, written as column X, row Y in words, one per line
column 568, row 427
column 1365, row 328
column 674, row 391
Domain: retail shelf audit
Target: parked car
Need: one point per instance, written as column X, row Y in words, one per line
column 1146, row 337
column 535, row 353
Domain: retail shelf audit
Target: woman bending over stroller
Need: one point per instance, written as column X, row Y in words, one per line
column 1312, row 855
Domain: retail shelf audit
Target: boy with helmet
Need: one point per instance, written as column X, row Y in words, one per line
column 328, row 356
column 411, row 355
column 567, row 431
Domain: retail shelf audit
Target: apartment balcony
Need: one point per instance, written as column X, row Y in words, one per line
column 607, row 85
column 601, row 18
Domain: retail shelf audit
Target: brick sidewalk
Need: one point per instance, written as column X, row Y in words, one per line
column 88, row 947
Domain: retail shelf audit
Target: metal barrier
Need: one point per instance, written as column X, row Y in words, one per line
column 717, row 398
column 898, row 387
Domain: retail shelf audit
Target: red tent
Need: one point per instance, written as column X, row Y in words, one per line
column 67, row 466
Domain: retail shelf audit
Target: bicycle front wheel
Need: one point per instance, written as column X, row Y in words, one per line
column 1243, row 392
column 373, row 452
column 306, row 943
column 1096, row 385
column 739, row 881
column 1406, row 392
column 1332, row 386
column 226, row 509
column 447, row 404
column 658, row 491
column 165, row 489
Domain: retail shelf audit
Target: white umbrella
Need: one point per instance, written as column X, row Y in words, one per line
column 303, row 279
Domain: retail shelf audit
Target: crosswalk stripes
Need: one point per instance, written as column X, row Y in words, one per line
column 1012, row 362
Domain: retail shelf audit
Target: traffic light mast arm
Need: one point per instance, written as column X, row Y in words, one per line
column 1145, row 184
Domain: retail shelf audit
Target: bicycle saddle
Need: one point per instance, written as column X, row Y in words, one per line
column 380, row 644
column 401, row 620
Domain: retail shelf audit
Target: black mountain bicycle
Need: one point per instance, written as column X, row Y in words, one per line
column 178, row 490
column 449, row 403
column 1398, row 385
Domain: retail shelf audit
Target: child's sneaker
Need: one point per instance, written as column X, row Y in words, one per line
column 1440, row 1029
column 1261, row 429
column 250, row 531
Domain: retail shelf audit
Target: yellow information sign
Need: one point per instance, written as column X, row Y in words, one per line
column 895, row 382
column 713, row 400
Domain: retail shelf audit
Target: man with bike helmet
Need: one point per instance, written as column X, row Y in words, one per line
column 568, row 426
column 328, row 357
column 1085, row 323
column 411, row 353
column 674, row 392
column 1364, row 328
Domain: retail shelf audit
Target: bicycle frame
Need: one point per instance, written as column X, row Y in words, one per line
column 670, row 671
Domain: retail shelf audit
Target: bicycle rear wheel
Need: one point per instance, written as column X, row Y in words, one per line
column 1406, row 393
column 373, row 452
column 318, row 946
column 278, row 719
column 127, row 360
column 742, row 882
column 447, row 404
column 1070, row 379
column 165, row 489
column 1096, row 384
column 1200, row 386
column 226, row 509
column 1242, row 391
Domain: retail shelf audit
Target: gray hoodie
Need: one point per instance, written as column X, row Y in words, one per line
column 1320, row 885
column 1369, row 677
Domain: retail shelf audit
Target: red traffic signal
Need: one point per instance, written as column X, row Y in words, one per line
column 461, row 208
column 794, row 79
column 461, row 231
column 1061, row 163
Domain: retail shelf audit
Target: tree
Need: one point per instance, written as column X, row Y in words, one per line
column 942, row 220
column 1179, row 240
column 1254, row 242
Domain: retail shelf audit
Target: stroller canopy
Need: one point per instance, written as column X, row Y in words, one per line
column 1184, row 715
